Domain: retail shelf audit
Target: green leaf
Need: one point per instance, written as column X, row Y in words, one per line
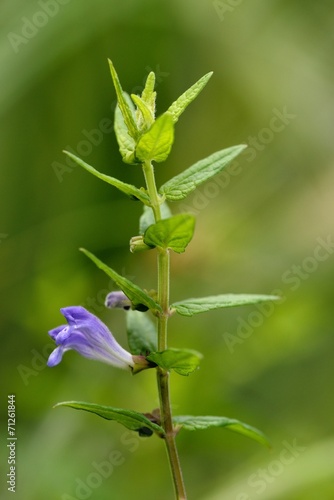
column 182, row 361
column 130, row 419
column 142, row 334
column 147, row 217
column 189, row 307
column 146, row 118
column 123, row 105
column 175, row 232
column 148, row 95
column 126, row 143
column 191, row 423
column 156, row 143
column 187, row 181
column 137, row 296
column 178, row 106
column 128, row 189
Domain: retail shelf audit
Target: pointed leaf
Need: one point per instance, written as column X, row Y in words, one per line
column 128, row 189
column 126, row 143
column 147, row 217
column 191, row 423
column 156, row 143
column 175, row 232
column 189, row 307
column 182, row 361
column 137, row 296
column 148, row 94
column 123, row 105
column 145, row 118
column 130, row 419
column 187, row 181
column 178, row 106
column 142, row 334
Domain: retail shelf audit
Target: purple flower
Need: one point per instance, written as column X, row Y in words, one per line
column 117, row 299
column 86, row 334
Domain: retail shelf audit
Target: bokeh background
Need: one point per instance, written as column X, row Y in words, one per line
column 258, row 230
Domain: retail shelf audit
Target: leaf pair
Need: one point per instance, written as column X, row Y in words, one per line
column 140, row 137
column 187, row 307
column 138, row 422
column 153, row 145
column 157, row 136
column 178, row 187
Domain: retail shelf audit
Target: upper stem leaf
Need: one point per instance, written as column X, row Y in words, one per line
column 126, row 143
column 123, row 105
column 146, row 117
column 187, row 181
column 178, row 106
column 149, row 95
column 128, row 189
column 156, row 143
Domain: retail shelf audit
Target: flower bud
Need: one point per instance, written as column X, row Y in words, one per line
column 137, row 244
column 117, row 300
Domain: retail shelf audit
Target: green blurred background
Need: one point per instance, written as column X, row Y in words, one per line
column 257, row 231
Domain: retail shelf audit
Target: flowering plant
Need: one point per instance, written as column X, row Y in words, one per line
column 144, row 139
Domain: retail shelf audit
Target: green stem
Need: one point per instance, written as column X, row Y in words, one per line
column 163, row 375
column 152, row 190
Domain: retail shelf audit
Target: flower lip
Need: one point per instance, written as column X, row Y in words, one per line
column 90, row 337
column 55, row 331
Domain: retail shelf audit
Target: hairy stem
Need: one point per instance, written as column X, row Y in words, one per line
column 163, row 375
